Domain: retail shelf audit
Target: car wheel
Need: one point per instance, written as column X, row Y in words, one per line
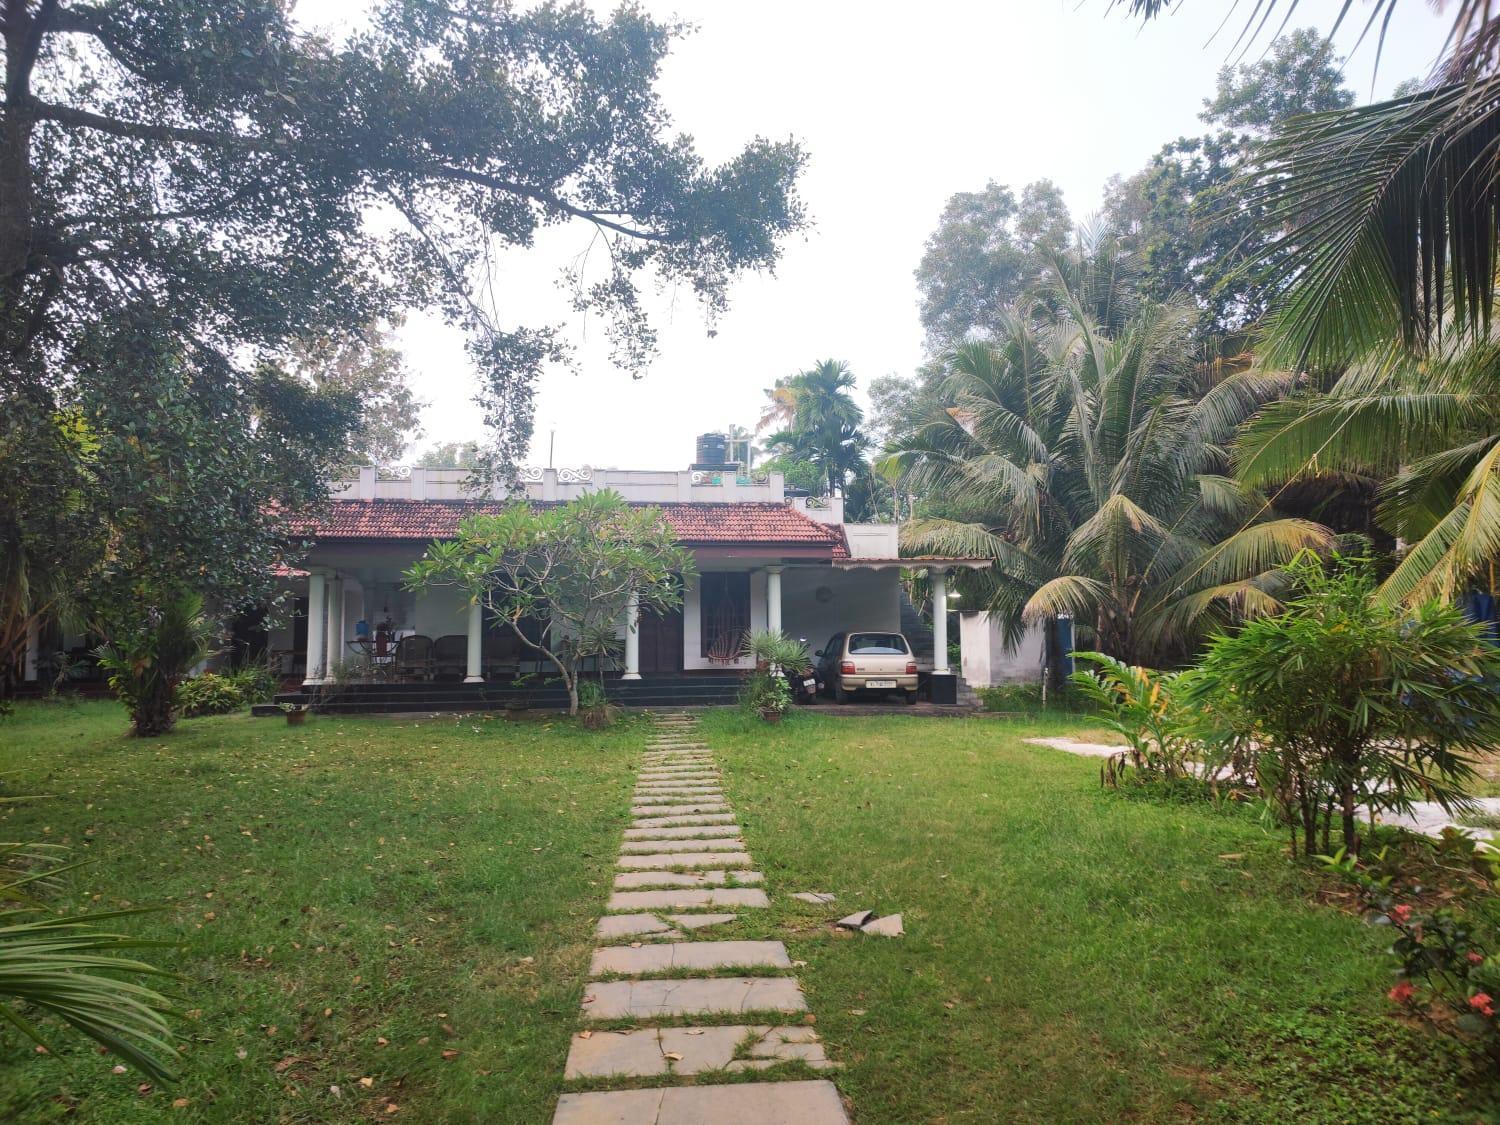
column 911, row 698
column 839, row 694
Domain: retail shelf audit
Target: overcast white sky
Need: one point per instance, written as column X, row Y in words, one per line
column 899, row 106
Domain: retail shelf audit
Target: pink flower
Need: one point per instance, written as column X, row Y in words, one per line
column 1401, row 913
column 1401, row 994
column 1475, row 958
column 1482, row 1003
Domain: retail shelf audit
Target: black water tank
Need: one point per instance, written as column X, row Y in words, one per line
column 713, row 449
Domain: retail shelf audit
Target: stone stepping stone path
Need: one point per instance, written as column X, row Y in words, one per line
column 684, row 870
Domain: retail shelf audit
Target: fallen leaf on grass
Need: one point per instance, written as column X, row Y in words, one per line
column 367, row 1082
column 450, row 1054
column 672, row 1055
column 1233, row 855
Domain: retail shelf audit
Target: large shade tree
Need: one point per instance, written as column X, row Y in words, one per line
column 229, row 184
column 1085, row 453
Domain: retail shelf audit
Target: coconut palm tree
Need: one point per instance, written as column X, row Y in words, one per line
column 1081, row 451
column 821, row 422
column 1430, row 430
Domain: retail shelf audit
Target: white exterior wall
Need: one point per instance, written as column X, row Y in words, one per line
column 986, row 660
column 853, row 599
column 441, row 611
column 566, row 484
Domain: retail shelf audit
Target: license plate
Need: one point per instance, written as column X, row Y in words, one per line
column 880, row 683
column 810, row 684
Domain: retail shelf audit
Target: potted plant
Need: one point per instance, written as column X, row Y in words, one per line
column 769, row 694
column 595, row 711
column 296, row 713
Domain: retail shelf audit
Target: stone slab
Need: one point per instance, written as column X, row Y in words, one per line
column 686, row 777
column 685, row 844
column 683, row 809
column 637, row 880
column 660, row 860
column 691, row 800
column 700, row 921
column 630, row 925
column 693, row 996
column 632, row 902
column 697, row 955
column 889, row 926
column 703, row 831
column 685, row 818
column 814, row 1102
column 817, row 898
column 668, row 789
column 656, row 1052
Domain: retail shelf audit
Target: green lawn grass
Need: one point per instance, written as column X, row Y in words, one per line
column 431, row 883
column 1071, row 955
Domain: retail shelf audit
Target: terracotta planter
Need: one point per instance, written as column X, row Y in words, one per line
column 771, row 715
column 296, row 718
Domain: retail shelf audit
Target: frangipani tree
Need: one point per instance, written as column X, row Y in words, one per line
column 571, row 566
column 1081, row 451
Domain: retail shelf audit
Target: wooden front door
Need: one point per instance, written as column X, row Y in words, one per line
column 661, row 642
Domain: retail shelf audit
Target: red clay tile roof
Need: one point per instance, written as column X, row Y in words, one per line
column 696, row 524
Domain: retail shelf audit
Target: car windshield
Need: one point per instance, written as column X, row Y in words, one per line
column 877, row 644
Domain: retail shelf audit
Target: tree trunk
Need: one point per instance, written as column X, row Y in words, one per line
column 155, row 711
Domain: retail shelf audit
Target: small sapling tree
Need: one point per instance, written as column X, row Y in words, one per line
column 572, row 567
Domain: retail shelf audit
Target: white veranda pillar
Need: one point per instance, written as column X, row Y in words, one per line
column 773, row 598
column 633, row 637
column 333, row 650
column 475, row 673
column 315, row 632
column 33, row 649
column 939, row 620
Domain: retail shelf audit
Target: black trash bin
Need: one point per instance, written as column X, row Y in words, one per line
column 943, row 687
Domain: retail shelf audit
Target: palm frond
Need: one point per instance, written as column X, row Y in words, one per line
column 1074, row 594
column 1464, row 540
column 1248, row 553
column 1391, row 217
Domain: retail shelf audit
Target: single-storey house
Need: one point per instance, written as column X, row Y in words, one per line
column 765, row 560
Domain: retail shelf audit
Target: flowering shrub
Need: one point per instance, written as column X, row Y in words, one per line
column 1444, row 954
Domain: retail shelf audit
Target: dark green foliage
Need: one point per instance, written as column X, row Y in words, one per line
column 219, row 693
column 151, row 648
column 223, row 160
column 1080, row 451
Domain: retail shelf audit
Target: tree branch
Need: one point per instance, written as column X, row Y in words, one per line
column 140, row 130
column 546, row 199
column 20, row 65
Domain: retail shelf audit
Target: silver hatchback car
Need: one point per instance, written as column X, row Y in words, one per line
column 868, row 661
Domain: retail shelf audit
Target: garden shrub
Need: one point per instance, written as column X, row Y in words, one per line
column 1442, row 908
column 1351, row 704
column 209, row 694
column 1143, row 708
